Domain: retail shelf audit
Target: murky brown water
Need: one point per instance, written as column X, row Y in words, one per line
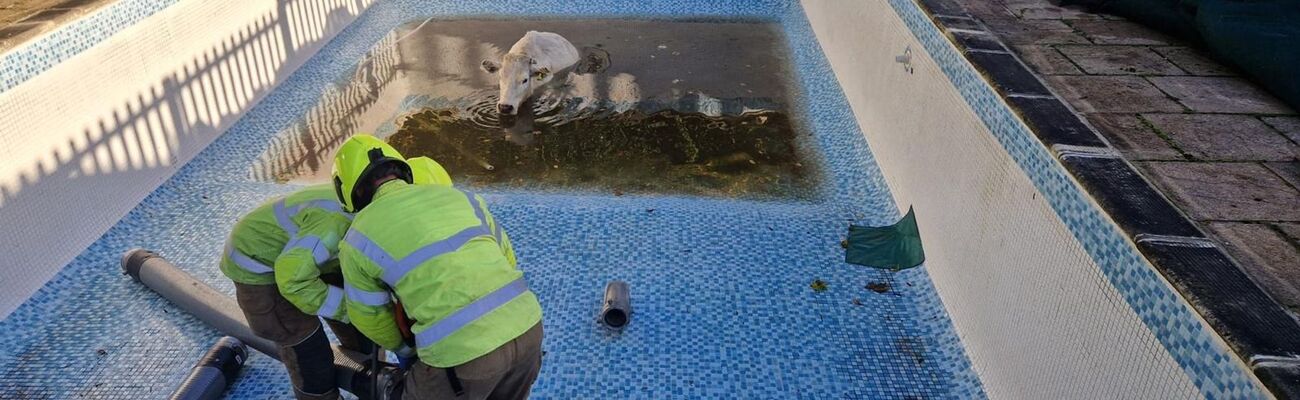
column 664, row 152
column 696, row 108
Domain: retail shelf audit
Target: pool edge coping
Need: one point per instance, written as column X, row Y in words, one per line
column 46, row 50
column 1246, row 318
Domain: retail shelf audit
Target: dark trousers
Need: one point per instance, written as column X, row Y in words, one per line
column 304, row 348
column 506, row 373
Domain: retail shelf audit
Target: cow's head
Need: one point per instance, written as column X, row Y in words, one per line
column 517, row 75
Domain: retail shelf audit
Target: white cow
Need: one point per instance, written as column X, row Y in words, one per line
column 532, row 62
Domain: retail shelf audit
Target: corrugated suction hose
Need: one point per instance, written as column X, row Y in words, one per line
column 214, row 372
column 222, row 313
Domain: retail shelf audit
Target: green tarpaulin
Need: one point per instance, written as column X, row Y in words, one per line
column 892, row 247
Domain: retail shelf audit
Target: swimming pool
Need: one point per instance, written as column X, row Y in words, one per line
column 1029, row 291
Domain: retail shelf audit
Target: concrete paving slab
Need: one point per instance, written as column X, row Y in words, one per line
column 1121, row 32
column 1288, row 171
column 1269, row 258
column 13, row 11
column 1046, row 60
column 1289, row 126
column 23, row 20
column 1119, row 60
column 1220, row 95
column 1254, row 203
column 1224, row 137
column 984, row 9
column 1225, row 191
column 1021, row 32
column 1292, row 232
column 1193, row 61
column 1121, row 94
column 48, row 14
column 1049, row 11
column 1133, row 138
column 14, row 30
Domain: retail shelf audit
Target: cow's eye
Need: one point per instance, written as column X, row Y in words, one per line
column 525, row 80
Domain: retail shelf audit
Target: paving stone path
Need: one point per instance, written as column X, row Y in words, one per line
column 1225, row 151
column 22, row 20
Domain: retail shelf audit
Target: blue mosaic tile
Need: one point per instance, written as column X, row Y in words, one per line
column 720, row 288
column 47, row 51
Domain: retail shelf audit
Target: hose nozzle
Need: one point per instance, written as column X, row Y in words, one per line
column 617, row 311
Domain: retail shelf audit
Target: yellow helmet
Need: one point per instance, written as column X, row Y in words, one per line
column 426, row 171
column 361, row 160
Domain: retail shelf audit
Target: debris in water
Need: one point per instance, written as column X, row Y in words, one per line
column 878, row 287
column 660, row 152
column 101, row 352
column 844, row 243
column 818, row 285
column 618, row 192
column 663, row 46
column 857, row 301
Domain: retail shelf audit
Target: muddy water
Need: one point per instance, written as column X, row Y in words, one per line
column 698, row 108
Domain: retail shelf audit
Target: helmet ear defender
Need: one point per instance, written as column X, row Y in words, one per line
column 360, row 162
column 338, row 189
column 363, row 191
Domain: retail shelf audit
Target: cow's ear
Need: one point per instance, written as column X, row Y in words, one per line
column 491, row 66
column 541, row 72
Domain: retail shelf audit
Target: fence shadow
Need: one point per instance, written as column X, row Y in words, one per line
column 304, row 147
column 65, row 200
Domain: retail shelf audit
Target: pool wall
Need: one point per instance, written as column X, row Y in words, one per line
column 1048, row 296
column 95, row 115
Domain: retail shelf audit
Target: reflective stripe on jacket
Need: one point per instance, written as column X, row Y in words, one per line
column 289, row 243
column 440, row 252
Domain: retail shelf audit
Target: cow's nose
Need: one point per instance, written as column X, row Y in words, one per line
column 505, row 108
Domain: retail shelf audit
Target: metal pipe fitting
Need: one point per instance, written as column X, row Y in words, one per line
column 617, row 310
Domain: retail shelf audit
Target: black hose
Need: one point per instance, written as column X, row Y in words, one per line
column 214, row 372
column 354, row 373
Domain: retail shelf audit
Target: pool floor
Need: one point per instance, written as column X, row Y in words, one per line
column 721, row 288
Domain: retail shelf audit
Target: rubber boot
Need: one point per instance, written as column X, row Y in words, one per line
column 331, row 395
column 310, row 363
